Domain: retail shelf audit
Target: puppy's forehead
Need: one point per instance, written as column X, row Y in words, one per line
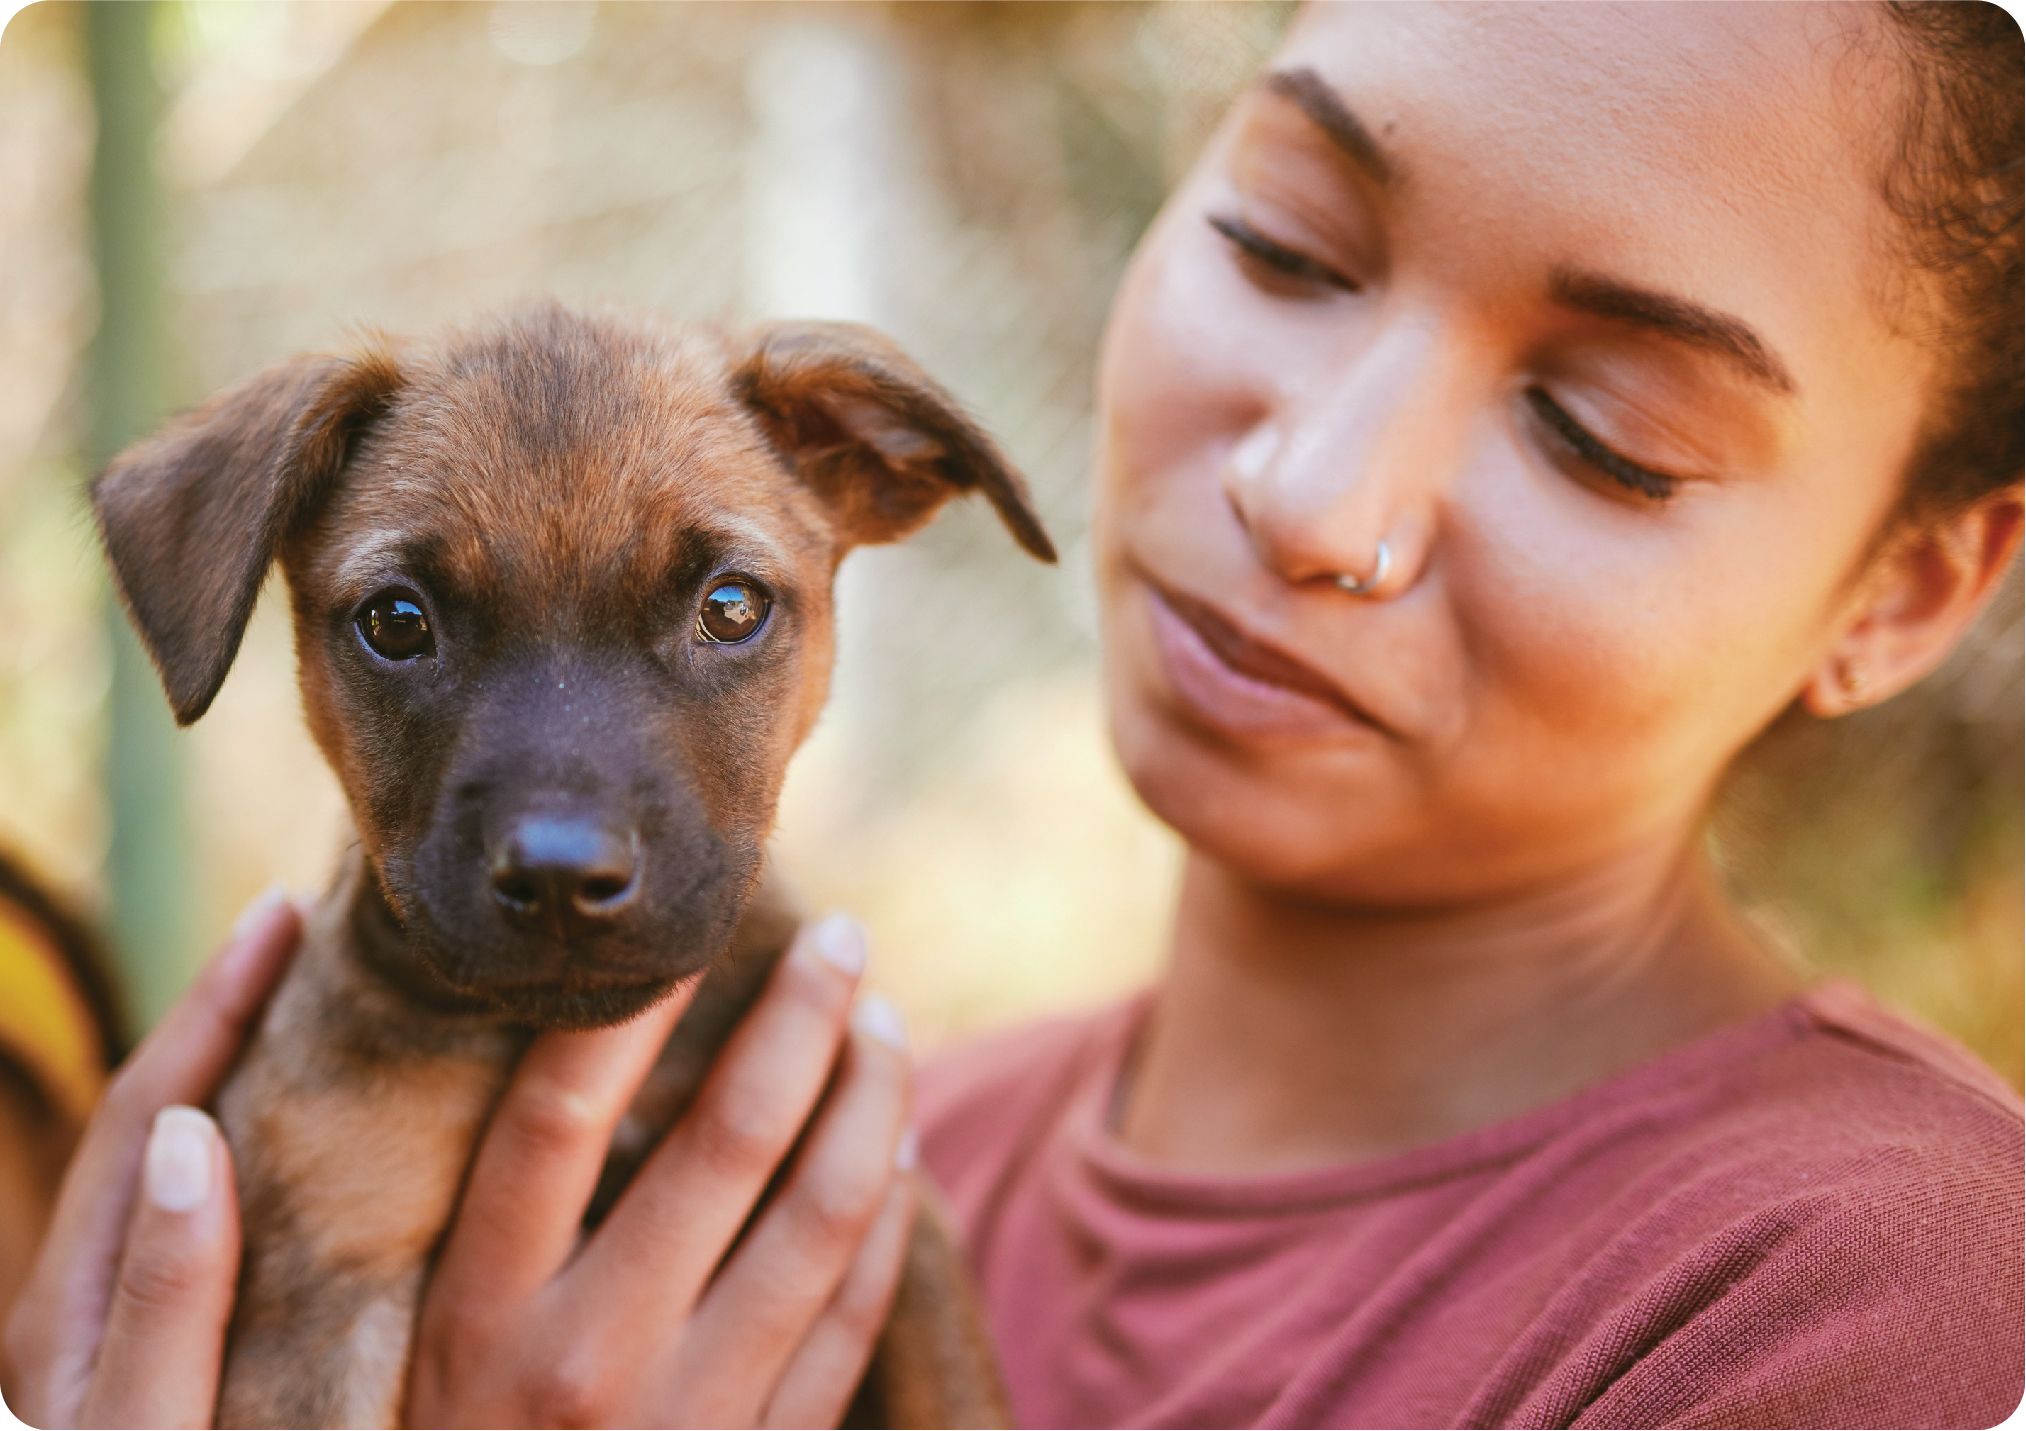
column 559, row 456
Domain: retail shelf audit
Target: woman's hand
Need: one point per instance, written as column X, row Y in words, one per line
column 667, row 1315
column 122, row 1322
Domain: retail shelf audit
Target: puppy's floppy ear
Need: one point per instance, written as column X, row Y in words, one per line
column 876, row 437
column 193, row 516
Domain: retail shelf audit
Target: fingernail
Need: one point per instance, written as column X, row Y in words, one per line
column 877, row 1016
column 177, row 1168
column 840, row 943
column 264, row 904
column 908, row 1149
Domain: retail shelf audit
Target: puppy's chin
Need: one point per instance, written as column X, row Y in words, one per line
column 567, row 1004
column 577, row 993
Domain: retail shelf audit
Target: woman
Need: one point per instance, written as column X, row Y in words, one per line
column 1511, row 415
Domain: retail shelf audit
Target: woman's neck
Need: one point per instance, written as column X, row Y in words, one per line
column 1291, row 1034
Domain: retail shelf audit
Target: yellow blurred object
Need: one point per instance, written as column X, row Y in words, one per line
column 46, row 1026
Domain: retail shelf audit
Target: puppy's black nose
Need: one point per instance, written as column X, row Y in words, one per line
column 564, row 870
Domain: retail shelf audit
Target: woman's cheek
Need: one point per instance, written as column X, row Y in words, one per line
column 1610, row 680
column 1170, row 388
column 1196, row 355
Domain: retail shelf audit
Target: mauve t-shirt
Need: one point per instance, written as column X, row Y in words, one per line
column 1809, row 1219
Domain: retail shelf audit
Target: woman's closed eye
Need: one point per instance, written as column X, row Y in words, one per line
column 1256, row 247
column 1577, row 439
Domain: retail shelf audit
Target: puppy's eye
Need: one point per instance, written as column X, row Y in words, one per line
column 393, row 625
column 732, row 612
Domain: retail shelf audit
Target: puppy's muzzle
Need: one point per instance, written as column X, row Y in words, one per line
column 569, row 874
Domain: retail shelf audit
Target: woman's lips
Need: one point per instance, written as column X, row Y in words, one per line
column 1237, row 684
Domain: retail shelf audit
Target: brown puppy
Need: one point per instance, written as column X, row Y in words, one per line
column 562, row 601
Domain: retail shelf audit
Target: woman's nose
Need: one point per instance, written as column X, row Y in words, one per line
column 1341, row 479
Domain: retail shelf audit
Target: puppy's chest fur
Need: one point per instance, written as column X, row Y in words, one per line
column 353, row 1117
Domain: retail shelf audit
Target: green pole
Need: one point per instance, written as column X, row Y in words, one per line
column 148, row 870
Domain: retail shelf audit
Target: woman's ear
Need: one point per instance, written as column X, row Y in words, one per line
column 1918, row 597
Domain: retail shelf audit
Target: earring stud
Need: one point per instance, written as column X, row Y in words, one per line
column 1362, row 586
column 1850, row 676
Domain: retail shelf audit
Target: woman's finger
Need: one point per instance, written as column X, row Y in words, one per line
column 159, row 1359
column 647, row 1263
column 762, row 1304
column 826, row 1369
column 539, row 1160
column 53, row 1334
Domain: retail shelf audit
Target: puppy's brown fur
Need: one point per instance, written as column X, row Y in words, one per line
column 558, row 493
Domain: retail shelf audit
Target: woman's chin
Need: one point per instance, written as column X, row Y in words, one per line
column 1253, row 821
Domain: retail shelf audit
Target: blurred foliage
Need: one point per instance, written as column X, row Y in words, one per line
column 969, row 177
column 147, row 879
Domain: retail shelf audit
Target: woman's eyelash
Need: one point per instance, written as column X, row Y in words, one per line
column 1643, row 480
column 1254, row 244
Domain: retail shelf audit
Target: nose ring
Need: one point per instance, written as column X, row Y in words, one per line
column 1365, row 585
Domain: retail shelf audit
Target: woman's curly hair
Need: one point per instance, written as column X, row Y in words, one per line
column 1953, row 182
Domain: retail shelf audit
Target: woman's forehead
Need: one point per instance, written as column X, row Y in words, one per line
column 1673, row 56
column 1778, row 106
column 1729, row 153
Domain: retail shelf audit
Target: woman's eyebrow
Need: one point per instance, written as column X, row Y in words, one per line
column 1727, row 337
column 1664, row 313
column 1328, row 112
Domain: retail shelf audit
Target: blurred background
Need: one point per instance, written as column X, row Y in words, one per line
column 190, row 189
